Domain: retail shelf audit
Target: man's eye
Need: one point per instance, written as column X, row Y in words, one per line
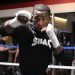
column 43, row 18
column 22, row 18
column 36, row 18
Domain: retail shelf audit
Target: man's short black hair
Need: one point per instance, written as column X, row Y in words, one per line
column 42, row 7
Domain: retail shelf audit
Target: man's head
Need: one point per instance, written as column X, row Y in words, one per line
column 41, row 15
column 42, row 8
column 23, row 16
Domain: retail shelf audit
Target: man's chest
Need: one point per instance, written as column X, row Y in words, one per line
column 41, row 39
column 41, row 42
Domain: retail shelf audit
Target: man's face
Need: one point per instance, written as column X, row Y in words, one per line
column 41, row 19
column 22, row 19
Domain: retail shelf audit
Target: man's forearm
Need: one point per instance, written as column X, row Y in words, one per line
column 59, row 55
column 58, row 50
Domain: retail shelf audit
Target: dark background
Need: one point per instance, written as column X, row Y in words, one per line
column 6, row 2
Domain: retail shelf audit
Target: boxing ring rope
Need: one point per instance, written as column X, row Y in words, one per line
column 9, row 64
column 49, row 66
column 12, row 46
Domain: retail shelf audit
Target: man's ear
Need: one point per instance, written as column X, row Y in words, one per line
column 50, row 17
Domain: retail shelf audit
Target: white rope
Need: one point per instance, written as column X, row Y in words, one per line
column 9, row 64
column 61, row 67
column 49, row 66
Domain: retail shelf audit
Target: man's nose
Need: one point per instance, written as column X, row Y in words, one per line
column 40, row 22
